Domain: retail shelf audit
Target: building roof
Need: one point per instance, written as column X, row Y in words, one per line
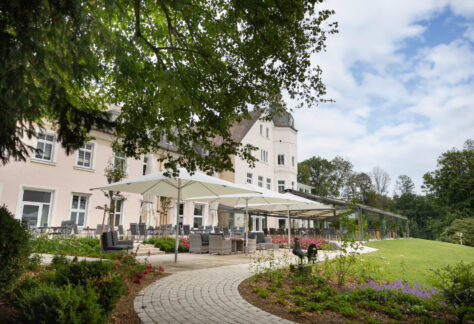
column 239, row 130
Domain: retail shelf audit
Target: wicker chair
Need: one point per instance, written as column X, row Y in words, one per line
column 197, row 245
column 219, row 245
column 252, row 245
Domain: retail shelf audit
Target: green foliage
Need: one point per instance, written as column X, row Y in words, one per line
column 15, row 250
column 464, row 226
column 297, row 310
column 193, row 66
column 69, row 246
column 166, row 244
column 107, row 283
column 48, row 303
column 457, row 286
column 261, row 292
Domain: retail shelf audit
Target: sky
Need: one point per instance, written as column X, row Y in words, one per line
column 402, row 77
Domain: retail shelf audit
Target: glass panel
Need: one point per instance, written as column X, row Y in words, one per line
column 80, row 158
column 49, row 138
column 117, row 220
column 40, row 136
column 47, row 151
column 80, row 222
column 40, row 147
column 37, row 196
column 44, row 215
column 197, row 222
column 74, row 216
column 83, row 203
column 30, row 213
column 75, row 200
column 198, row 210
column 87, row 159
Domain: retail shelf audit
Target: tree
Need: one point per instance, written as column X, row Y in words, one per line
column 404, row 185
column 358, row 187
column 380, row 180
column 316, row 171
column 185, row 70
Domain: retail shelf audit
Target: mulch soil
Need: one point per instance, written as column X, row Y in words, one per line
column 270, row 305
column 124, row 310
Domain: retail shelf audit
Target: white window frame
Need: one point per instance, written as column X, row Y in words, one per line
column 199, row 216
column 264, row 156
column 45, row 141
column 119, row 213
column 281, row 183
column 38, row 204
column 269, row 184
column 86, row 150
column 78, row 209
column 124, row 158
column 282, row 156
column 249, row 178
column 145, row 165
column 260, row 181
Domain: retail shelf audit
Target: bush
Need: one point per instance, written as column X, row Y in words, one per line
column 456, row 284
column 69, row 246
column 464, row 226
column 108, row 284
column 46, row 303
column 168, row 244
column 14, row 250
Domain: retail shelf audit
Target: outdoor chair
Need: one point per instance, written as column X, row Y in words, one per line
column 186, row 230
column 142, row 230
column 116, row 241
column 120, row 230
column 197, row 244
column 134, row 230
column 108, row 244
column 217, row 230
column 252, row 244
column 98, row 229
column 265, row 231
column 332, row 233
column 219, row 245
column 208, row 229
column 226, row 231
column 272, row 231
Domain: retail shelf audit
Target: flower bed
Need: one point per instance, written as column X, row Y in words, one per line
column 168, row 244
column 321, row 244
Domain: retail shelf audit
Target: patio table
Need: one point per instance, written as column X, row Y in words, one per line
column 237, row 245
column 89, row 232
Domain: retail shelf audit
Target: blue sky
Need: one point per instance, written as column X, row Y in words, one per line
column 402, row 75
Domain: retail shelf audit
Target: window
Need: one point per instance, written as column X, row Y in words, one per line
column 120, row 160
column 292, row 185
column 264, row 156
column 181, row 214
column 281, row 185
column 145, row 165
column 281, row 223
column 268, row 132
column 198, row 212
column 118, row 211
column 293, row 161
column 35, row 207
column 84, row 156
column 44, row 147
column 79, row 209
column 249, row 177
column 260, row 181
column 261, row 130
column 269, row 184
column 281, row 159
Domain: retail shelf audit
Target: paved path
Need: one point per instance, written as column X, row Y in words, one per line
column 194, row 294
column 200, row 296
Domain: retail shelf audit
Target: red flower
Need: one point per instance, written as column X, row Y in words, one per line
column 145, row 272
column 115, row 267
column 161, row 269
column 136, row 274
column 138, row 281
column 125, row 276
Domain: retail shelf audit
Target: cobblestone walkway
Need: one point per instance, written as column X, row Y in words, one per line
column 200, row 296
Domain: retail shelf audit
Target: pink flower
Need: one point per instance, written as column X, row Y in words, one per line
column 138, row 281
column 115, row 267
column 161, row 269
column 145, row 272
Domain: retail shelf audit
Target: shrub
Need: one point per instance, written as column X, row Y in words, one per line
column 14, row 250
column 456, row 283
column 297, row 310
column 69, row 246
column 462, row 225
column 347, row 311
column 46, row 303
column 107, row 283
column 168, row 244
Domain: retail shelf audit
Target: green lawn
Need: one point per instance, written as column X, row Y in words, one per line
column 418, row 256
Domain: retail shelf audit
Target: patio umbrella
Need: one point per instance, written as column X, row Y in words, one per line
column 271, row 199
column 183, row 186
column 292, row 203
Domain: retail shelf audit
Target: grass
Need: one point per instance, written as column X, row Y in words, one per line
column 412, row 259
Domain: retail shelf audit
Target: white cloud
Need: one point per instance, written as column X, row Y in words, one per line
column 397, row 112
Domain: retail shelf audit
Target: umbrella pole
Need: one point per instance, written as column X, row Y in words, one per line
column 289, row 229
column 246, row 228
column 177, row 223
